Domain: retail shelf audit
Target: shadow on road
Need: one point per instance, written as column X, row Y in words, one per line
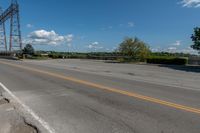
column 183, row 68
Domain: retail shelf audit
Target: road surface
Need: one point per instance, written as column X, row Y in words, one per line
column 78, row 101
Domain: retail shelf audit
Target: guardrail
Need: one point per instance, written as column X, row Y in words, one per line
column 6, row 54
column 108, row 57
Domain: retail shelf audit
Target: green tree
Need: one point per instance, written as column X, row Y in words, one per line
column 196, row 39
column 28, row 49
column 135, row 48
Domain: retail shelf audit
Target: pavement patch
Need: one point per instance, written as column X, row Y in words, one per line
column 28, row 111
column 4, row 101
column 131, row 74
column 11, row 121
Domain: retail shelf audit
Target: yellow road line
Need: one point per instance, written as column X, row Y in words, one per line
column 110, row 89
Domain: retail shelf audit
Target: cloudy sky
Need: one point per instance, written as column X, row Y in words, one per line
column 100, row 25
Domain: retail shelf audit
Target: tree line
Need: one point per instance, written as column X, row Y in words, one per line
column 130, row 49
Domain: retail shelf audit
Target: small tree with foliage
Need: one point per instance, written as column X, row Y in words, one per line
column 135, row 48
column 28, row 49
column 196, row 39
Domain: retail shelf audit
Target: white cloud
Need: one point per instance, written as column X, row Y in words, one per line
column 170, row 49
column 95, row 46
column 188, row 50
column 155, row 49
column 190, row 3
column 177, row 43
column 29, row 26
column 43, row 37
column 174, row 49
column 131, row 24
column 95, row 43
column 69, row 37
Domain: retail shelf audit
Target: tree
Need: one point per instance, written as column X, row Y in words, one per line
column 28, row 49
column 135, row 48
column 196, row 39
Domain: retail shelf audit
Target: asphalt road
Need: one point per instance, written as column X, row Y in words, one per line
column 72, row 101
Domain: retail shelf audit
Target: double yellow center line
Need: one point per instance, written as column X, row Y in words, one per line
column 110, row 89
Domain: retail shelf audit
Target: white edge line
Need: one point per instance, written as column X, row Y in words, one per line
column 30, row 111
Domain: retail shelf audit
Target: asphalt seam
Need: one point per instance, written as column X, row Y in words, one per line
column 110, row 89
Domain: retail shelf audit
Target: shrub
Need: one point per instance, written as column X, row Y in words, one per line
column 28, row 49
column 126, row 59
column 167, row 60
column 54, row 56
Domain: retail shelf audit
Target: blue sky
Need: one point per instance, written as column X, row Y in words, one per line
column 100, row 25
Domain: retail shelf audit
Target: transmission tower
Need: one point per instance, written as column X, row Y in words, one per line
column 12, row 14
column 15, row 33
column 3, row 42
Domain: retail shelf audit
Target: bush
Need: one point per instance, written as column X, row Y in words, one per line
column 126, row 59
column 135, row 49
column 167, row 60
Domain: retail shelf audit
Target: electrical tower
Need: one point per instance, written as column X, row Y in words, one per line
column 15, row 41
column 3, row 43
